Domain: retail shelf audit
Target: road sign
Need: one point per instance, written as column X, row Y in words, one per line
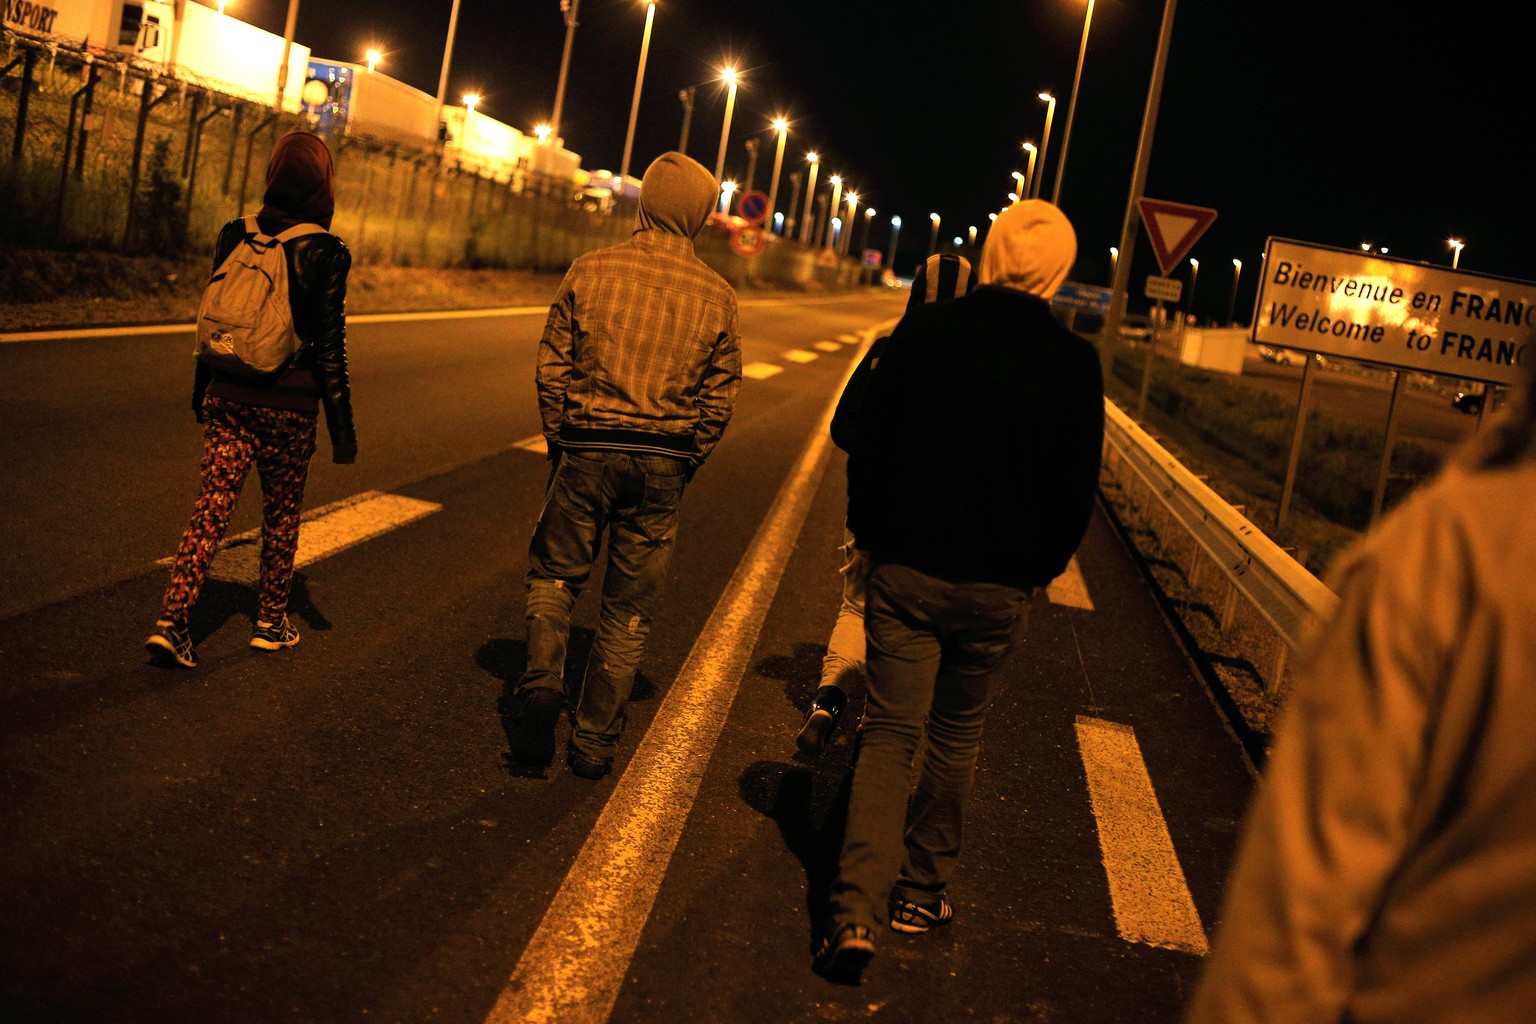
column 748, row 240
column 1085, row 297
column 1173, row 228
column 752, row 207
column 1164, row 289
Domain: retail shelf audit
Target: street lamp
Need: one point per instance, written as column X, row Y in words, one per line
column 933, row 237
column 373, row 57
column 971, row 232
column 726, row 190
column 728, row 76
column 781, row 128
column 869, row 215
column 1066, row 133
column 1194, row 276
column 1019, row 188
column 471, row 100
column 1114, row 261
column 568, row 11
column 634, row 105
column 542, row 131
column 1029, row 176
column 853, row 219
column 890, row 261
column 1456, row 245
column 1045, row 141
column 1237, row 272
column 837, row 195
column 806, row 230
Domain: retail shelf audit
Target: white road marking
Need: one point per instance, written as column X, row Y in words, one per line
column 536, row 443
column 1151, row 901
column 576, row 962
column 761, row 371
column 1070, row 588
column 322, row 532
column 828, row 346
column 800, row 355
column 849, row 339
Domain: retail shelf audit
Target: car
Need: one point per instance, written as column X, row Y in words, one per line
column 1468, row 401
column 1136, row 329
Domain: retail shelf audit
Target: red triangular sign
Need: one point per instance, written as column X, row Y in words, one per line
column 1173, row 228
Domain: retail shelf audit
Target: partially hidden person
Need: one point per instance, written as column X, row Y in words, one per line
column 971, row 480
column 637, row 376
column 1386, row 869
column 269, row 422
column 939, row 278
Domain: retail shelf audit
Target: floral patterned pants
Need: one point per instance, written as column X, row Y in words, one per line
column 236, row 436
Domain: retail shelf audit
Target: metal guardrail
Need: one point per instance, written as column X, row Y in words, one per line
column 1285, row 595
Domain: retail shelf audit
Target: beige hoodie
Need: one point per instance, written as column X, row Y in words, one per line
column 1030, row 247
column 677, row 195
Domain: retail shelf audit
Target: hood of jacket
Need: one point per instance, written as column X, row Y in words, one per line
column 677, row 195
column 1030, row 247
column 301, row 180
column 942, row 276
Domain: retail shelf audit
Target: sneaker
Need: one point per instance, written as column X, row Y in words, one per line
column 586, row 767
column 267, row 637
column 171, row 644
column 535, row 713
column 826, row 709
column 846, row 952
column 916, row 918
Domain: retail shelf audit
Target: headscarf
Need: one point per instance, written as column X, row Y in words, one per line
column 1030, row 247
column 677, row 195
column 301, row 180
column 942, row 276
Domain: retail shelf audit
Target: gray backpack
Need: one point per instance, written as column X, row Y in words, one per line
column 245, row 323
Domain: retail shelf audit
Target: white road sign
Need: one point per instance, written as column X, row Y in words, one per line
column 1361, row 305
column 1164, row 289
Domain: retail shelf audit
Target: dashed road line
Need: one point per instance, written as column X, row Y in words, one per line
column 800, row 355
column 323, row 532
column 1147, row 890
column 761, row 371
column 828, row 346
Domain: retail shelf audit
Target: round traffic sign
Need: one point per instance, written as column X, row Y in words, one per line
column 753, row 207
column 748, row 240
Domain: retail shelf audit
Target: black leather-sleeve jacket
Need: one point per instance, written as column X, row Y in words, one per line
column 317, row 292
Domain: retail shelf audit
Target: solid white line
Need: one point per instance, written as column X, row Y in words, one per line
column 761, row 371
column 322, row 532
column 800, row 355
column 1151, row 901
column 1070, row 588
column 576, row 962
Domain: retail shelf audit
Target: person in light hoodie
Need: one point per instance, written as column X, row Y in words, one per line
column 1387, row 866
column 971, row 479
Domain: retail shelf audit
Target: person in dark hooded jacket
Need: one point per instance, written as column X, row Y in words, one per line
column 270, row 422
column 637, row 376
column 939, row 278
column 971, row 480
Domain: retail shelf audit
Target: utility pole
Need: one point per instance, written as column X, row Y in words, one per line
column 686, row 95
column 282, row 69
column 442, row 77
column 751, row 165
column 568, row 8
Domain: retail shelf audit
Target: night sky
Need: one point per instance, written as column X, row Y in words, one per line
column 1336, row 123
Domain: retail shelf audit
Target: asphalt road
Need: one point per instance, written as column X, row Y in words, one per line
column 333, row 833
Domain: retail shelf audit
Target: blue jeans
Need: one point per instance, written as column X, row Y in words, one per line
column 633, row 500
column 933, row 653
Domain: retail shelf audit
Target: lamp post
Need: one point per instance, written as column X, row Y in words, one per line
column 1066, row 132
column 686, row 96
column 1029, row 175
column 634, row 105
column 837, row 195
column 810, row 193
column 373, row 57
column 728, row 76
column 1114, row 260
column 971, row 234
column 1045, row 140
column 542, row 131
column 726, row 189
column 1237, row 272
column 869, row 215
column 787, row 223
column 1020, row 190
column 890, row 260
column 1194, row 276
column 1456, row 245
column 852, row 199
column 568, row 10
column 780, row 128
column 933, row 237
column 282, row 68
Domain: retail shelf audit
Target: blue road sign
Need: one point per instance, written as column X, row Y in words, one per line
column 1085, row 297
column 753, row 207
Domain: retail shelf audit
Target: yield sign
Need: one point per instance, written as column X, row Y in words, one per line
column 1173, row 228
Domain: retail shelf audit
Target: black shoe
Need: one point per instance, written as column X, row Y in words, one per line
column 915, row 918
column 845, row 953
column 171, row 644
column 535, row 713
column 826, row 709
column 586, row 767
column 274, row 636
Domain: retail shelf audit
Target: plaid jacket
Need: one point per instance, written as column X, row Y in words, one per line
column 641, row 352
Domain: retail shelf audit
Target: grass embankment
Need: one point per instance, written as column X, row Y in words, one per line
column 41, row 289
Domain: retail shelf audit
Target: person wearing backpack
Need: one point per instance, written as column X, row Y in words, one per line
column 261, row 417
